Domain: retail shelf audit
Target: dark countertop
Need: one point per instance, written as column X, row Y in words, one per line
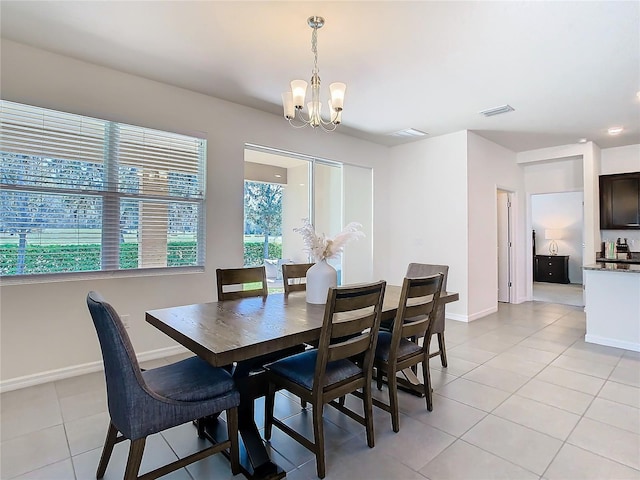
column 614, row 267
column 614, row 260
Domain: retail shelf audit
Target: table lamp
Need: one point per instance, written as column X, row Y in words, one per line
column 553, row 234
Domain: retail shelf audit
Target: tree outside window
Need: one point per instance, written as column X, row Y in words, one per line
column 263, row 216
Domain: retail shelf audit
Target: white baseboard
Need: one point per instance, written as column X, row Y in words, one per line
column 483, row 313
column 457, row 317
column 520, row 300
column 76, row 370
column 470, row 318
column 612, row 342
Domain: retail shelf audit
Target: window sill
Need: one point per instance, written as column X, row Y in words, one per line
column 101, row 275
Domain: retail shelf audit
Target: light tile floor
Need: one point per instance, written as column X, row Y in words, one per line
column 567, row 294
column 524, row 397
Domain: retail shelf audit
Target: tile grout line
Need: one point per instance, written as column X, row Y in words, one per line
column 566, row 442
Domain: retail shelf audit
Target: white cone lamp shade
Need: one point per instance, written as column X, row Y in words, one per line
column 336, row 115
column 298, row 91
column 337, row 90
column 287, row 104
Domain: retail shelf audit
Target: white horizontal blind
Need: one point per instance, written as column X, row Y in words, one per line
column 82, row 194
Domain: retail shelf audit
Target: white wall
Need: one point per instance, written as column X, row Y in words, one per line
column 620, row 160
column 427, row 221
column 562, row 175
column 492, row 167
column 443, row 210
column 45, row 327
column 561, row 211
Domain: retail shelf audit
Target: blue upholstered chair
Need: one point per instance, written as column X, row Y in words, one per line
column 142, row 403
column 399, row 349
column 320, row 376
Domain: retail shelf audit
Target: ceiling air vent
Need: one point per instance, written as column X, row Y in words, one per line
column 490, row 112
column 408, row 132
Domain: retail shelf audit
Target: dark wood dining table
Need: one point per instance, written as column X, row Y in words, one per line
column 238, row 331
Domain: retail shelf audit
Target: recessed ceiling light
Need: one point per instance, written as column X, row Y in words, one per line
column 582, row 140
column 490, row 112
column 615, row 130
column 409, row 132
column 277, row 175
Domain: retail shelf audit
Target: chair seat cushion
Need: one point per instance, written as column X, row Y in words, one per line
column 406, row 348
column 190, row 380
column 301, row 368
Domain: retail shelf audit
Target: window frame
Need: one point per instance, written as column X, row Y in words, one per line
column 111, row 195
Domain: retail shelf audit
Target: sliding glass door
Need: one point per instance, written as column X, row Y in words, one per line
column 282, row 189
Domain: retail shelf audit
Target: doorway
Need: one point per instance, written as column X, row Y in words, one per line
column 505, row 245
column 558, row 222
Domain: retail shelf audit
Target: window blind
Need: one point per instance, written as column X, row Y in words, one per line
column 83, row 194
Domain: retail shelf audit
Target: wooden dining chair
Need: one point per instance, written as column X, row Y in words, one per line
column 399, row 349
column 235, row 283
column 424, row 270
column 295, row 272
column 236, row 278
column 320, row 376
column 142, row 403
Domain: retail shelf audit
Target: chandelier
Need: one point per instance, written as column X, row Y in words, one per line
column 293, row 101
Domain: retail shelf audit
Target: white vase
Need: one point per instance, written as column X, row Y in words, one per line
column 320, row 277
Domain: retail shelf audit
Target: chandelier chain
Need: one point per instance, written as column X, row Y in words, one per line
column 314, row 48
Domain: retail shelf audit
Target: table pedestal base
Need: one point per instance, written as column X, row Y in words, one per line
column 254, row 459
column 410, row 384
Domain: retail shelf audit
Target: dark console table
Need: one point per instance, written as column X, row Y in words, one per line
column 551, row 268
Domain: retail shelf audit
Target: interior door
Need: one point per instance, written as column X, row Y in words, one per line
column 504, row 246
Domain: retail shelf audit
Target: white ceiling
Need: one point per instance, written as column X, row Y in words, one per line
column 570, row 69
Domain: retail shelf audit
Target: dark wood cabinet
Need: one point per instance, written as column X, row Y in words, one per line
column 620, row 201
column 551, row 268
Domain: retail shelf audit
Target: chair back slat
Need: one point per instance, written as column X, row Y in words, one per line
column 348, row 348
column 418, row 310
column 350, row 327
column 415, row 270
column 415, row 310
column 355, row 302
column 292, row 276
column 416, row 328
column 421, row 289
column 235, row 278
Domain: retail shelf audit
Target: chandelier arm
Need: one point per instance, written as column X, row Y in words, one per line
column 297, row 126
column 303, row 123
column 300, row 118
column 325, row 126
column 322, row 125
